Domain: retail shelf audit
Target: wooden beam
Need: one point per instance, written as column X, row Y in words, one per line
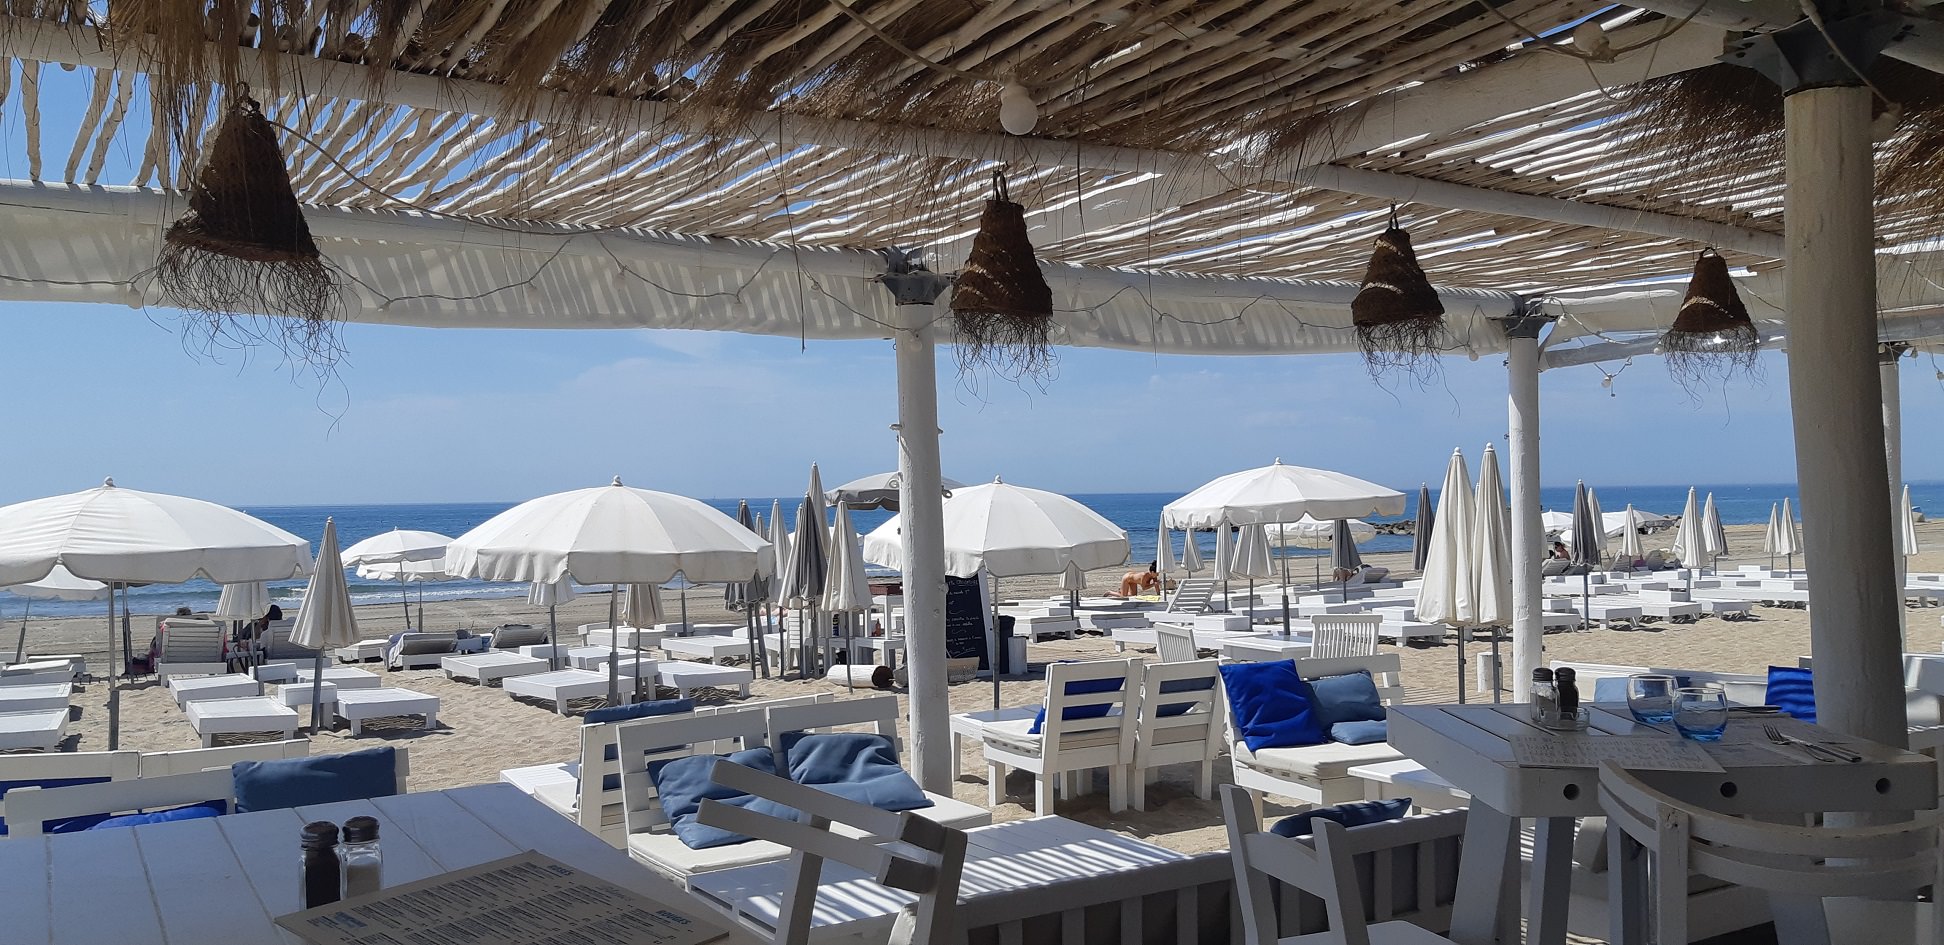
column 1923, row 47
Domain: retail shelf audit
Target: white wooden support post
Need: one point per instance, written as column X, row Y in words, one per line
column 921, row 509
column 1893, row 458
column 1837, row 395
column 1528, row 536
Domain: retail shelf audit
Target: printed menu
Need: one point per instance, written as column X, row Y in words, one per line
column 524, row 899
column 1589, row 751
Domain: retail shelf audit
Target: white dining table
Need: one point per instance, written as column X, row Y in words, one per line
column 225, row 880
column 1471, row 747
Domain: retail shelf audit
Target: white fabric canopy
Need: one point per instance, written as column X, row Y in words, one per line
column 325, row 620
column 1712, row 534
column 846, row 588
column 1073, row 580
column 1011, row 531
column 246, row 601
column 1630, row 538
column 1253, row 558
column 1772, row 540
column 1308, row 532
column 641, row 606
column 1224, row 554
column 397, row 545
column 1279, row 493
column 779, row 553
column 61, row 584
column 1164, row 558
column 122, row 535
column 1600, row 540
column 550, row 593
column 1446, row 593
column 1191, row 557
column 1907, row 525
column 1690, row 542
column 1491, row 557
column 611, row 534
column 1791, row 536
column 410, row 572
column 879, row 491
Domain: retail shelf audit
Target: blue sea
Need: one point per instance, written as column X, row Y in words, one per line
column 1138, row 513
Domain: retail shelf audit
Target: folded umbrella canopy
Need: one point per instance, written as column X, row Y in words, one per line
column 1791, row 534
column 748, row 597
column 1690, row 540
column 123, row 537
column 612, row 535
column 1164, row 557
column 1447, row 589
column 879, row 491
column 1586, row 546
column 1421, row 530
column 847, row 590
column 1907, row 525
column 1344, row 557
column 1716, row 537
column 325, row 621
column 1253, row 559
column 1491, row 556
column 1630, row 547
column 1772, row 539
column 801, row 584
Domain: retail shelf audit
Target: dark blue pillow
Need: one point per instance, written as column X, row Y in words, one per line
column 639, row 710
column 1791, row 690
column 1082, row 687
column 319, row 779
column 1270, row 705
column 1363, row 732
column 683, row 783
column 1182, row 685
column 1353, row 814
column 191, row 812
column 1351, row 697
column 856, row 766
column 47, row 827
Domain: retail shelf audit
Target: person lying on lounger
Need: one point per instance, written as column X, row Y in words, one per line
column 1138, row 582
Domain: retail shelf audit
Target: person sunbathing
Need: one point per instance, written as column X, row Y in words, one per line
column 1139, row 582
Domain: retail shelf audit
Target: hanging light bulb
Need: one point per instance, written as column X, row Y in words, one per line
column 1018, row 113
column 1606, row 382
column 1590, row 38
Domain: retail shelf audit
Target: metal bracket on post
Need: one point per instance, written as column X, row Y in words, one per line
column 1526, row 323
column 1809, row 54
column 908, row 279
column 1888, row 352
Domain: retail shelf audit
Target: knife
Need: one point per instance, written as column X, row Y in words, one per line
column 1810, row 746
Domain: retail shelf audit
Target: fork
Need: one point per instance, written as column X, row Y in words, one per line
column 1814, row 750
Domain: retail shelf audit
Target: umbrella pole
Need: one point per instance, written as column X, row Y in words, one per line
column 317, row 693
column 20, row 646
column 114, row 694
column 614, row 644
column 1586, row 601
column 404, row 597
column 1463, row 632
column 553, row 638
column 683, row 591
column 1285, row 591
column 997, row 643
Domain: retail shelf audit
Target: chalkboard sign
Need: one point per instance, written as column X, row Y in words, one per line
column 965, row 620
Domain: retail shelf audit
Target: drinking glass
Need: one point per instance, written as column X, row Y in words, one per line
column 1701, row 712
column 1650, row 698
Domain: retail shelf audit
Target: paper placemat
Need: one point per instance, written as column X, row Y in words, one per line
column 1646, row 753
column 522, row 899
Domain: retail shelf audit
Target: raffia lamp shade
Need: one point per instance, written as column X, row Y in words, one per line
column 1001, row 304
column 1398, row 317
column 1712, row 334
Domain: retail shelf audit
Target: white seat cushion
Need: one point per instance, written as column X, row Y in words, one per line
column 954, row 813
column 562, row 796
column 1013, row 735
column 1314, row 762
column 669, row 855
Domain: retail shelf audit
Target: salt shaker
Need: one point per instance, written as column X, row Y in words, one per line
column 363, row 865
column 1545, row 699
column 319, row 870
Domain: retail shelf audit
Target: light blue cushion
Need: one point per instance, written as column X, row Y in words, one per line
column 1351, row 697
column 318, row 779
column 857, row 766
column 639, row 710
column 1270, row 705
column 684, row 783
column 1362, row 732
column 1353, row 814
column 1082, row 687
column 1182, row 685
column 1792, row 690
column 1610, row 689
column 191, row 812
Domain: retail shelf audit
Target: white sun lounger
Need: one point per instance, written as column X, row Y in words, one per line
column 342, row 677
column 561, row 686
column 298, row 695
column 691, row 629
column 250, row 714
column 487, row 668
column 710, row 648
column 685, row 677
column 36, row 728
column 189, row 689
column 358, row 706
column 598, row 634
column 30, row 698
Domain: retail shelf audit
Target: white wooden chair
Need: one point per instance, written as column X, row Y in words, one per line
column 1412, row 863
column 1799, row 866
column 1069, row 745
column 649, row 837
column 1318, row 774
column 190, row 760
column 927, row 859
column 1182, row 736
column 1340, row 635
column 190, row 647
column 1174, row 643
column 880, row 715
column 53, row 768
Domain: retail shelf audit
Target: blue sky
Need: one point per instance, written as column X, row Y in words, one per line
column 424, row 415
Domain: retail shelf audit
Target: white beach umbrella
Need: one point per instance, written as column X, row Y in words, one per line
column 1307, row 532
column 1191, row 557
column 1690, row 540
column 249, row 600
column 1907, row 525
column 550, row 594
column 878, row 491
column 1791, row 534
column 612, row 535
column 641, row 606
column 1712, row 534
column 1630, row 537
column 1772, row 536
column 325, row 621
column 1164, row 558
column 1279, row 493
column 1446, row 593
column 803, row 580
column 411, row 572
column 1593, row 506
column 1425, row 520
column 1556, row 523
column 123, row 536
column 1012, row 531
column 1492, row 546
column 59, row 584
column 847, row 590
column 399, row 546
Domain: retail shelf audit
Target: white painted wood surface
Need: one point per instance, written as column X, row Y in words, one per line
column 358, row 706
column 246, row 865
column 244, row 715
column 1470, row 747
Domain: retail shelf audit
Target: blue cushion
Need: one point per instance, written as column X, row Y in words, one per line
column 1081, row 687
column 856, row 766
column 319, row 779
column 1270, row 705
column 1361, row 732
column 1353, row 814
column 6, row 786
column 683, row 783
column 1351, row 697
column 1610, row 689
column 1182, row 685
column 1791, row 690
column 191, row 812
column 639, row 710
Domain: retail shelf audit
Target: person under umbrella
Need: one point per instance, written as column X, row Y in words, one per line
column 1345, row 560
column 325, row 621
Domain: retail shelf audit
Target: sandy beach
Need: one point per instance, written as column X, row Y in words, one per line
column 482, row 730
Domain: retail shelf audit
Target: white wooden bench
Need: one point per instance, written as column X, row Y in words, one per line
column 488, row 668
column 1317, row 774
column 239, row 716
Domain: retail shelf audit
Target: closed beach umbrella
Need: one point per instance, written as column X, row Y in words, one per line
column 1690, row 540
column 246, row 601
column 398, row 546
column 1345, row 560
column 1630, row 538
column 1491, row 558
column 325, row 621
column 748, row 597
column 1445, row 592
column 847, row 590
column 1791, row 534
column 879, row 491
column 1772, row 536
column 1907, row 525
column 735, row 594
column 1584, row 546
column 1224, row 553
column 59, row 584
column 1164, row 558
column 1599, row 534
column 1421, row 530
column 641, row 606
column 803, row 582
column 550, row 595
column 123, row 536
column 1253, row 557
column 1191, row 559
column 1712, row 534
column 611, row 535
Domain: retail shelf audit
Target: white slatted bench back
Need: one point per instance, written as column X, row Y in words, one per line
column 1122, row 704
column 880, row 713
column 1181, row 736
column 1385, row 669
column 1175, row 644
column 1344, row 635
column 159, row 763
column 927, row 858
column 1192, row 595
column 1412, row 864
column 640, row 805
column 65, row 766
column 29, row 808
column 191, row 642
